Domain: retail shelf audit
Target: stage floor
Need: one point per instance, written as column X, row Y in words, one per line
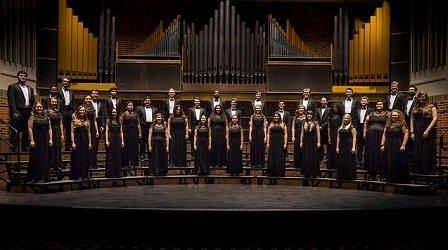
column 216, row 197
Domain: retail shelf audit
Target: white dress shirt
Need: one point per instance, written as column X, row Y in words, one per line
column 362, row 115
column 215, row 102
column 348, row 106
column 232, row 112
column 322, row 111
column 114, row 102
column 171, row 103
column 95, row 106
column 392, row 100
column 197, row 111
column 25, row 94
column 282, row 113
column 258, row 103
column 409, row 105
column 305, row 103
column 148, row 114
column 66, row 96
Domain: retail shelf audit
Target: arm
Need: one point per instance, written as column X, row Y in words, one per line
column 265, row 128
column 121, row 136
column 433, row 122
column 209, row 139
column 167, row 138
column 383, row 140
column 227, row 136
column 96, row 127
column 169, row 127
column 149, row 139
column 318, row 134
column 285, row 129
column 337, row 142
column 50, row 133
column 250, row 128
column 242, row 138
column 187, row 128
column 72, row 129
column 412, row 128
column 268, row 136
column 89, row 136
column 354, row 135
column 30, row 131
column 139, row 127
column 405, row 139
column 301, row 136
column 107, row 133
column 329, row 131
column 366, row 122
column 61, row 127
column 293, row 130
column 195, row 139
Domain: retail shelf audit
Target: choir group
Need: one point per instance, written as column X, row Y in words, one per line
column 394, row 138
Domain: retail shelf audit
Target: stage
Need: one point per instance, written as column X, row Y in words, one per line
column 216, row 215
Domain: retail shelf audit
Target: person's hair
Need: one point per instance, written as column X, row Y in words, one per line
column 273, row 118
column 258, row 92
column 216, row 107
column 413, row 86
column 66, row 77
column 261, row 108
column 113, row 88
column 297, row 110
column 313, row 119
column 34, row 113
column 94, row 90
column 53, row 87
column 231, row 118
column 144, row 98
column 57, row 102
column 400, row 123
column 21, row 72
column 306, row 89
column 77, row 122
column 176, row 107
column 425, row 106
column 349, row 89
column 196, row 98
column 339, row 109
column 395, row 82
column 378, row 102
column 155, row 116
column 233, row 99
column 365, row 97
column 200, row 121
column 111, row 117
column 127, row 103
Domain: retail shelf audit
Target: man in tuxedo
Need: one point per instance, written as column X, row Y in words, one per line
column 258, row 101
column 322, row 115
column 146, row 113
column 20, row 101
column 410, row 101
column 68, row 107
column 112, row 102
column 169, row 104
column 100, row 120
column 307, row 101
column 358, row 121
column 284, row 115
column 350, row 105
column 53, row 94
column 194, row 117
column 395, row 99
column 214, row 102
column 234, row 111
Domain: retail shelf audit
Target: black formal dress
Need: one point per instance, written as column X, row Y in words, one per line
column 297, row 136
column 91, row 116
column 113, row 152
column 396, row 167
column 178, row 144
column 202, row 154
column 219, row 145
column 131, row 142
column 80, row 161
column 346, row 160
column 276, row 156
column 39, row 161
column 257, row 148
column 424, row 160
column 374, row 158
column 159, row 157
column 310, row 154
column 334, row 124
column 55, row 150
column 235, row 163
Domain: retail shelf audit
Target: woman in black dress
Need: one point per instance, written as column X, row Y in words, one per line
column 178, row 127
column 40, row 133
column 130, row 123
column 394, row 140
column 114, row 145
column 218, row 128
column 334, row 123
column 423, row 133
column 235, row 147
column 277, row 142
column 296, row 133
column 81, row 145
column 257, row 137
column 94, row 132
column 56, row 128
column 201, row 145
column 346, row 150
column 158, row 143
column 310, row 142
column 373, row 132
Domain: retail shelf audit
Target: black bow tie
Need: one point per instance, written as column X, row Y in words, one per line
column 349, row 99
column 233, row 109
column 363, row 108
column 197, row 108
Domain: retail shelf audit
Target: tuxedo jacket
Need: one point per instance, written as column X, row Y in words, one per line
column 406, row 99
column 312, row 105
column 46, row 102
column 166, row 107
column 101, row 118
column 211, row 108
column 142, row 114
column 237, row 113
column 108, row 106
column 322, row 118
column 71, row 106
column 357, row 119
column 355, row 106
column 192, row 121
column 399, row 102
column 286, row 118
column 16, row 99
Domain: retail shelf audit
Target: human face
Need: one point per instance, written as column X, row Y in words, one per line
column 235, row 119
column 159, row 119
column 54, row 90
column 379, row 106
column 281, row 105
column 306, row 93
column 82, row 111
column 113, row 92
column 323, row 102
column 301, row 110
column 276, row 118
column 309, row 116
column 335, row 109
column 171, row 93
column 258, row 109
column 53, row 102
column 394, row 116
column 233, row 104
column 218, row 109
column 114, row 113
column 421, row 98
column 178, row 111
column 88, row 100
column 364, row 102
column 197, row 102
column 258, row 95
column 412, row 91
column 39, row 108
column 394, row 87
column 65, row 82
column 349, row 93
column 130, row 106
column 94, row 95
column 203, row 119
column 147, row 102
column 346, row 119
column 22, row 78
column 216, row 95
